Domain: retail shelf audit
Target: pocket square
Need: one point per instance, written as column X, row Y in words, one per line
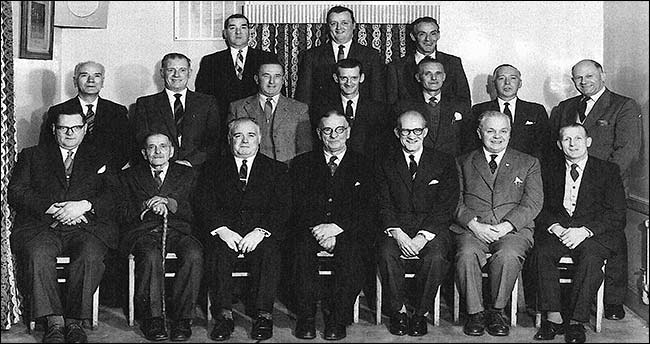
column 518, row 181
column 434, row 182
column 357, row 184
column 529, row 123
column 458, row 116
column 602, row 122
column 101, row 170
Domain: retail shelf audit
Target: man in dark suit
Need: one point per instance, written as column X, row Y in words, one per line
column 614, row 123
column 154, row 191
column 316, row 64
column 189, row 119
column 501, row 194
column 63, row 194
column 108, row 127
column 584, row 217
column 400, row 83
column 244, row 201
column 228, row 75
column 418, row 192
column 333, row 192
column 445, row 114
column 284, row 122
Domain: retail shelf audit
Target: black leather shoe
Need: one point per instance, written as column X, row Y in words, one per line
column 154, row 329
column 575, row 334
column 306, row 328
column 222, row 329
column 475, row 325
column 399, row 324
column 548, row 330
column 614, row 312
column 418, row 326
column 262, row 328
column 334, row 332
column 496, row 324
column 54, row 334
column 74, row 333
column 181, row 331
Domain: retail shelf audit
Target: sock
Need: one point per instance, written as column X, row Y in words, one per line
column 403, row 309
column 496, row 310
column 55, row 320
column 264, row 314
column 226, row 314
column 70, row 321
column 575, row 322
column 554, row 317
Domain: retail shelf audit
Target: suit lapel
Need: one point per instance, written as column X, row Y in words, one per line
column 425, row 167
column 481, row 166
column 165, row 111
column 402, row 170
column 598, row 110
column 506, row 171
column 585, row 188
column 281, row 112
column 145, row 178
column 56, row 160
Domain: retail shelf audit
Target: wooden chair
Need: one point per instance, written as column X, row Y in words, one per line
column 168, row 256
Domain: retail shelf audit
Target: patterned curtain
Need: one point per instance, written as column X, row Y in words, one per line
column 10, row 300
column 288, row 40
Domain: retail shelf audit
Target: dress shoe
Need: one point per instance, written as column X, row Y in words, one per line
column 181, row 331
column 399, row 324
column 614, row 312
column 54, row 334
column 334, row 331
column 262, row 328
column 475, row 325
column 306, row 328
column 418, row 326
column 222, row 329
column 496, row 324
column 154, row 329
column 74, row 333
column 548, row 330
column 575, row 333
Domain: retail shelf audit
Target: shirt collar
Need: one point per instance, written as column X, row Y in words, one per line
column 355, row 101
column 417, row 155
column 249, row 161
column 596, row 96
column 164, row 170
column 427, row 97
column 84, row 107
column 500, row 155
column 339, row 156
column 346, row 48
column 172, row 98
column 274, row 99
column 64, row 152
column 511, row 103
column 419, row 56
column 581, row 163
column 234, row 51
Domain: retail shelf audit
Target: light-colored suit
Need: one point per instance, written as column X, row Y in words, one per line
column 290, row 131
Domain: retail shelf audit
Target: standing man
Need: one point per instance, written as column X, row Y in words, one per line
column 400, row 84
column 614, row 123
column 316, row 64
column 418, row 192
column 583, row 217
column 160, row 189
column 333, row 192
column 108, row 127
column 189, row 119
column 284, row 122
column 63, row 194
column 501, row 194
column 229, row 74
column 244, row 204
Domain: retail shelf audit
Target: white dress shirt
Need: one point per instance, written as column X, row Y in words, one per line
column 512, row 105
column 234, row 52
column 346, row 49
column 419, row 56
column 488, row 157
column 274, row 101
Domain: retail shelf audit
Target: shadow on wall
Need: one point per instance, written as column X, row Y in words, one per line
column 482, row 85
column 133, row 80
column 558, row 88
column 28, row 129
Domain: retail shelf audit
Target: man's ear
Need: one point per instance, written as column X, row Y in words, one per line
column 588, row 142
column 257, row 79
column 425, row 132
column 559, row 144
column 335, row 77
column 417, row 77
column 362, row 77
column 144, row 153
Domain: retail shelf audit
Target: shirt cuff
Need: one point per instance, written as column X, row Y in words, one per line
column 550, row 228
column 264, row 231
column 216, row 231
column 589, row 232
column 427, row 235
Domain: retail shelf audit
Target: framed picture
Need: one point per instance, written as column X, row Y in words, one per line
column 36, row 30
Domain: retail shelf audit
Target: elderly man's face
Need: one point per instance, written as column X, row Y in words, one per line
column 431, row 76
column 411, row 132
column 574, row 143
column 176, row 73
column 494, row 131
column 158, row 150
column 507, row 82
column 334, row 131
column 89, row 79
column 244, row 139
column 237, row 33
column 587, row 78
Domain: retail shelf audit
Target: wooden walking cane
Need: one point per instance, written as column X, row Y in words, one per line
column 164, row 255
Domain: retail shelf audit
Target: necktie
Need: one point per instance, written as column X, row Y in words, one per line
column 574, row 172
column 433, row 102
column 349, row 113
column 506, row 110
column 493, row 163
column 582, row 108
column 69, row 161
column 332, row 164
column 268, row 109
column 341, row 54
column 90, row 118
column 178, row 111
column 158, row 178
column 413, row 166
column 239, row 65
column 243, row 173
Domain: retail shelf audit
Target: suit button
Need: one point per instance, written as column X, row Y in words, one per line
column 329, row 200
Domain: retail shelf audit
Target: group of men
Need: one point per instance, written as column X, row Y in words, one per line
column 381, row 176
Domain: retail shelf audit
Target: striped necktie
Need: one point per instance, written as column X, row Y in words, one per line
column 239, row 65
column 90, row 118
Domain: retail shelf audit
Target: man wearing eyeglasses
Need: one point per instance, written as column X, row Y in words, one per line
column 333, row 193
column 418, row 193
column 63, row 194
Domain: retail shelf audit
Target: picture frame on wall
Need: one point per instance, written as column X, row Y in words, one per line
column 36, row 30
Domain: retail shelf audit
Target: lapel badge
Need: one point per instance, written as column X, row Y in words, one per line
column 518, row 181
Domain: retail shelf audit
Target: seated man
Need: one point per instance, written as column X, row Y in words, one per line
column 418, row 192
column 63, row 194
column 501, row 194
column 153, row 191
column 333, row 197
column 583, row 217
column 244, row 204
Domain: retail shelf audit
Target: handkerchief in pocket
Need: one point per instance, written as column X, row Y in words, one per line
column 434, row 182
column 101, row 170
column 357, row 184
column 529, row 123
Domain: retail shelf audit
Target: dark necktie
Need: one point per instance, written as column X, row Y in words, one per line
column 157, row 177
column 268, row 109
column 90, row 118
column 178, row 112
column 413, row 166
column 493, row 163
column 574, row 172
column 332, row 164
column 239, row 65
column 243, row 173
column 349, row 113
column 341, row 54
column 506, row 110
column 433, row 102
column 69, row 161
column 582, row 108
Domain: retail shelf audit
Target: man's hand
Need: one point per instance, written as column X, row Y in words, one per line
column 418, row 243
column 250, row 241
column 154, row 201
column 558, row 230
column 574, row 237
column 184, row 162
column 68, row 211
column 483, row 231
column 503, row 228
column 404, row 242
column 231, row 238
column 328, row 244
column 160, row 209
column 325, row 230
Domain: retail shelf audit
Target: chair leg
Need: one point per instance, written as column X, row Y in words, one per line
column 513, row 303
column 95, row 323
column 436, row 308
column 456, row 303
column 538, row 319
column 600, row 304
column 378, row 298
column 131, row 289
column 356, row 310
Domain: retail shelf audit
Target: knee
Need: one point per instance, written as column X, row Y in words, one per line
column 149, row 257
column 193, row 256
column 507, row 256
column 465, row 256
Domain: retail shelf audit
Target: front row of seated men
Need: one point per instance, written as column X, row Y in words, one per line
column 68, row 202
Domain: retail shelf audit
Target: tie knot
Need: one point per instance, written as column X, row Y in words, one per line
column 506, row 104
column 178, row 96
column 493, row 156
column 585, row 99
column 350, row 102
column 333, row 159
column 433, row 101
column 157, row 173
column 240, row 52
column 244, row 161
column 269, row 100
column 69, row 155
column 574, row 166
column 412, row 157
column 90, row 107
column 341, row 47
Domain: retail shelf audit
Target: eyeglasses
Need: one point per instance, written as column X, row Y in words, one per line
column 416, row 131
column 338, row 130
column 75, row 129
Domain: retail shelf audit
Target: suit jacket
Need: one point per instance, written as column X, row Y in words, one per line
column 401, row 83
column 316, row 66
column 111, row 135
column 614, row 125
column 265, row 203
column 200, row 124
column 425, row 203
column 514, row 193
column 291, row 128
column 444, row 132
column 530, row 132
column 600, row 206
column 138, row 185
column 39, row 180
